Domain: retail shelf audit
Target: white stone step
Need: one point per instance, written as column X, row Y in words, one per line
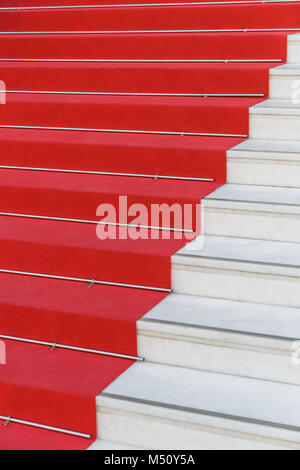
column 293, row 52
column 265, row 162
column 275, row 119
column 239, row 269
column 285, row 82
column 165, row 407
column 99, row 444
column 238, row 338
column 260, row 212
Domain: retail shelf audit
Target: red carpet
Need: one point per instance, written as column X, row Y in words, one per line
column 58, row 387
column 153, row 113
column 153, row 18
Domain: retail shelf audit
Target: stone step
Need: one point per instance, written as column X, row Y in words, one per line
column 265, row 162
column 239, row 269
column 259, row 212
column 166, row 407
column 239, row 338
column 275, row 119
column 293, row 49
column 285, row 82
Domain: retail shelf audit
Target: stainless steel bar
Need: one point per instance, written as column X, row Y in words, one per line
column 94, row 222
column 167, row 61
column 72, row 348
column 123, row 131
column 156, row 31
column 108, row 173
column 122, row 5
column 89, row 281
column 44, row 426
column 104, row 93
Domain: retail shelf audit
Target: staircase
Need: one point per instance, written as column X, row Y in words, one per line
column 151, row 102
column 220, row 373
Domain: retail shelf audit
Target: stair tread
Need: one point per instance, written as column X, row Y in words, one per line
column 286, row 69
column 103, row 186
column 77, row 196
column 231, row 249
column 66, row 380
column 80, row 235
column 155, row 17
column 149, row 46
column 104, row 77
column 22, row 437
column 70, row 313
column 226, row 315
column 143, row 113
column 106, row 138
column 208, row 392
column 256, row 194
column 168, row 155
column 280, row 147
column 74, row 250
column 276, row 106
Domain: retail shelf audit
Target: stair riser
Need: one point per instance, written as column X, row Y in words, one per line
column 283, row 87
column 223, row 356
column 235, row 285
column 229, row 222
column 282, row 127
column 258, row 170
column 293, row 49
column 155, row 428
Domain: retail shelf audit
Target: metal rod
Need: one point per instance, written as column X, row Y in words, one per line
column 89, row 281
column 56, row 7
column 95, row 222
column 108, row 173
column 167, row 61
column 156, row 31
column 123, row 131
column 204, row 95
column 44, row 426
column 72, row 348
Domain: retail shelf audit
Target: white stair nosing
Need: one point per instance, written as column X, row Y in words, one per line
column 245, row 251
column 275, row 148
column 139, row 398
column 276, row 107
column 240, row 269
column 175, row 429
column 285, row 70
column 203, row 412
column 269, row 163
column 144, row 321
column 99, row 444
column 240, row 338
column 254, row 265
column 255, row 195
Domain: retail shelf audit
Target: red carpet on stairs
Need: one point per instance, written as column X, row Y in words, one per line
column 104, row 103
